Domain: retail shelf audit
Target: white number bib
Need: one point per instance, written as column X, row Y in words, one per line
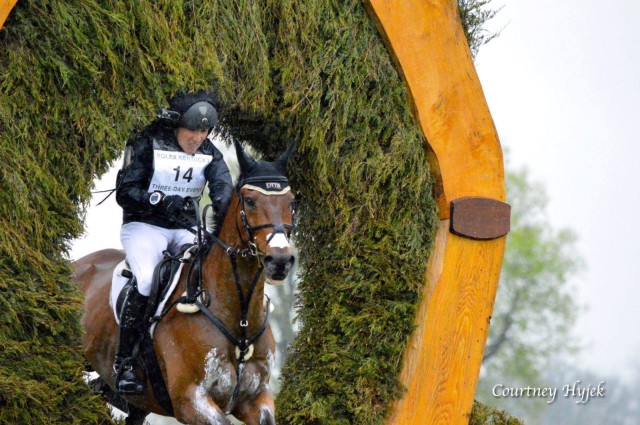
column 178, row 173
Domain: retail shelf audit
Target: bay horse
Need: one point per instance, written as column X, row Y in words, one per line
column 218, row 360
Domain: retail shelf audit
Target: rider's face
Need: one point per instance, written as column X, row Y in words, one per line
column 190, row 140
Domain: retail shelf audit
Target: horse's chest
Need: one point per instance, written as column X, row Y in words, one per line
column 252, row 381
column 220, row 377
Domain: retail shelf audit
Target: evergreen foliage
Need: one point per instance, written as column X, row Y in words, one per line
column 367, row 216
column 77, row 76
column 474, row 15
column 483, row 415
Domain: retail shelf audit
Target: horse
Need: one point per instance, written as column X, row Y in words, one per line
column 216, row 361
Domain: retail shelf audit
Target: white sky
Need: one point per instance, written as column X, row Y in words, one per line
column 563, row 85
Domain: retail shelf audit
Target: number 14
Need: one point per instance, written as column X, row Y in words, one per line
column 188, row 175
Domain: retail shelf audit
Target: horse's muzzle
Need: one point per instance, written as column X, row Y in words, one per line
column 278, row 265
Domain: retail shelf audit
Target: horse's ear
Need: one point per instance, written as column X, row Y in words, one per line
column 283, row 160
column 246, row 162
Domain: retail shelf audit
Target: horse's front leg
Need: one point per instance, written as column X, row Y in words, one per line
column 258, row 411
column 198, row 408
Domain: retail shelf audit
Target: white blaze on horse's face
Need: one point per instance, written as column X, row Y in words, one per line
column 279, row 240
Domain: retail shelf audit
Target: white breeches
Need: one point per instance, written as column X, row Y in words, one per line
column 144, row 244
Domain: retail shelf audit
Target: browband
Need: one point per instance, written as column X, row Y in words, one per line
column 267, row 191
column 267, row 185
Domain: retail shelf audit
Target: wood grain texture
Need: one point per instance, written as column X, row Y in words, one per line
column 5, row 9
column 442, row 361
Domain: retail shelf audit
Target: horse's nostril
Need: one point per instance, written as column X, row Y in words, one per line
column 278, row 261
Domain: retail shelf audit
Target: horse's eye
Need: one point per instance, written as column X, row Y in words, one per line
column 250, row 202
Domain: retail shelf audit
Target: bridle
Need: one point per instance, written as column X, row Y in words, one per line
column 284, row 228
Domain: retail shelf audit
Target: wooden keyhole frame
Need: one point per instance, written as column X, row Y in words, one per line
column 443, row 358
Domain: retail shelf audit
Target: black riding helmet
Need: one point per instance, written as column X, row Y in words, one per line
column 193, row 111
column 201, row 115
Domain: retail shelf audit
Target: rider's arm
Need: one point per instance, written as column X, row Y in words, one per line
column 132, row 189
column 220, row 186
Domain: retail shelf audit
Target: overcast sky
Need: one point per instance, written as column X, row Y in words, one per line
column 563, row 85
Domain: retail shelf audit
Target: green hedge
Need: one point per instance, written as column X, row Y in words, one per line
column 484, row 415
column 77, row 77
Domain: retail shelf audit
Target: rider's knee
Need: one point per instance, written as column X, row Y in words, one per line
column 145, row 291
column 144, row 283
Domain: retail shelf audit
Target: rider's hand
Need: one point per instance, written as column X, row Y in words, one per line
column 188, row 212
column 174, row 205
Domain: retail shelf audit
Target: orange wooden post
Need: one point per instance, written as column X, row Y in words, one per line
column 442, row 360
column 5, row 8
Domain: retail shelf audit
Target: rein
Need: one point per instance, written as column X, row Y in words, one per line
column 244, row 342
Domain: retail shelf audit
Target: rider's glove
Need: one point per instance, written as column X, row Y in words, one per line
column 189, row 208
column 174, row 205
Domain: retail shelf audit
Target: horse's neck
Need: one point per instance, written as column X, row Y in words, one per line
column 219, row 277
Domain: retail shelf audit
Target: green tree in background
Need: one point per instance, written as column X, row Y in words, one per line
column 535, row 306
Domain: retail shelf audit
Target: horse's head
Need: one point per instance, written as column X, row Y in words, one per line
column 266, row 211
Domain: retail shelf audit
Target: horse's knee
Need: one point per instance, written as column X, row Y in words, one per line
column 256, row 414
column 267, row 416
column 199, row 408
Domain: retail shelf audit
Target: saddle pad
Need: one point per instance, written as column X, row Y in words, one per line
column 172, row 287
column 117, row 284
column 119, row 281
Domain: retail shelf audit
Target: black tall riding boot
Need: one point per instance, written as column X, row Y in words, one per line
column 131, row 316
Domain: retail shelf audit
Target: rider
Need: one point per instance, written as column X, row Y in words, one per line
column 169, row 162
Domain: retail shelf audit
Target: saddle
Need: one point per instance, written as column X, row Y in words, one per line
column 165, row 278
